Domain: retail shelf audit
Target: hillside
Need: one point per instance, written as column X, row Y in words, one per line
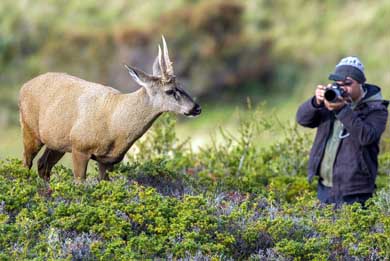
column 223, row 51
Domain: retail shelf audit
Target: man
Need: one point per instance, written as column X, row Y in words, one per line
column 345, row 150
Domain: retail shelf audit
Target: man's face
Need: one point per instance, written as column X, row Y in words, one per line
column 352, row 88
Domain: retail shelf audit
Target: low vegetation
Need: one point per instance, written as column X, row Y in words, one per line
column 231, row 200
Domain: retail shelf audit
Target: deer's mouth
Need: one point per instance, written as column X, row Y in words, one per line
column 195, row 111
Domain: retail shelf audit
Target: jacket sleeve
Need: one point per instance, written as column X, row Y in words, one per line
column 367, row 130
column 309, row 113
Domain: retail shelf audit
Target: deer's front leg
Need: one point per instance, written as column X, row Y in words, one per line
column 80, row 164
column 103, row 168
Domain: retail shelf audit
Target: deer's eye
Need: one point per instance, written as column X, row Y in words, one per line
column 170, row 92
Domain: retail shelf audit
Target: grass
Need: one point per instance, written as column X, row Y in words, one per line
column 10, row 143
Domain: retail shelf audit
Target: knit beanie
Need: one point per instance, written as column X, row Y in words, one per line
column 349, row 66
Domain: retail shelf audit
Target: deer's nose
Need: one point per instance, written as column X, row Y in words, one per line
column 196, row 110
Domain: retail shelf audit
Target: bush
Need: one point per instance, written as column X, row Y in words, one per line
column 228, row 201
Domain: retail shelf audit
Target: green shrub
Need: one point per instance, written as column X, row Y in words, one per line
column 233, row 201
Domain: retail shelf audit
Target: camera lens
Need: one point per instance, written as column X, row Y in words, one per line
column 331, row 95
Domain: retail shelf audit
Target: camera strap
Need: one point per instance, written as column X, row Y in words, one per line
column 342, row 135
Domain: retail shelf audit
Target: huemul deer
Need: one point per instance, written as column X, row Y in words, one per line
column 93, row 121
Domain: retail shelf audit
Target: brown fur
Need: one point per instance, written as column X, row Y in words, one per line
column 92, row 121
column 68, row 114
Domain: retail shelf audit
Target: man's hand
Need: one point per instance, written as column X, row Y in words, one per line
column 320, row 94
column 335, row 105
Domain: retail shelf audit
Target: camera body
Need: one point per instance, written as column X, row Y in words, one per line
column 334, row 92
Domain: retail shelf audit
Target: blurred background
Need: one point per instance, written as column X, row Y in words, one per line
column 224, row 52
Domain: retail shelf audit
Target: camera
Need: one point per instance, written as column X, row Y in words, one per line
column 334, row 92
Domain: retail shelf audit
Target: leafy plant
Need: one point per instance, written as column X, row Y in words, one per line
column 229, row 201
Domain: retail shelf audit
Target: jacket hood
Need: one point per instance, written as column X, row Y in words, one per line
column 373, row 93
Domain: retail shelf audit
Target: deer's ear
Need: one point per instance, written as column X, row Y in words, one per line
column 139, row 76
column 156, row 67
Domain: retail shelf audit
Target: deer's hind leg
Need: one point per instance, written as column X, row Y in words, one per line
column 47, row 162
column 103, row 168
column 31, row 146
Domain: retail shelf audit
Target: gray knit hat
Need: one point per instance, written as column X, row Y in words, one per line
column 349, row 66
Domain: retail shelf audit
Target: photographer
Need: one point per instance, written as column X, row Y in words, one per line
column 345, row 150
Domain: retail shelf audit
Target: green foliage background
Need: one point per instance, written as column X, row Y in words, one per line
column 223, row 49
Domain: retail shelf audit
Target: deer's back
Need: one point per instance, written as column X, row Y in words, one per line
column 53, row 104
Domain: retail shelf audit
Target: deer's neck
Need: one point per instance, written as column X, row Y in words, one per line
column 134, row 115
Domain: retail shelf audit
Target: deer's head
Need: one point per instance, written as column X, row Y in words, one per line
column 163, row 88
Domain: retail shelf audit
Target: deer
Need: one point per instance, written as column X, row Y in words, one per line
column 92, row 121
